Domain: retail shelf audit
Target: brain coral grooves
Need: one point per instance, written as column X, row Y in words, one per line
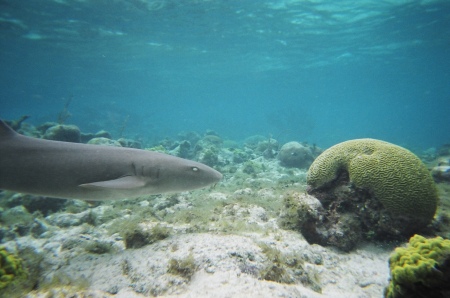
column 393, row 174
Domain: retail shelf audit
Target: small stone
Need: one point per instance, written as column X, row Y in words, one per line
column 129, row 143
column 441, row 173
column 295, row 155
column 104, row 142
column 103, row 134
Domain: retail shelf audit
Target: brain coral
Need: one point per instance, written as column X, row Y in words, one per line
column 421, row 269
column 393, row 174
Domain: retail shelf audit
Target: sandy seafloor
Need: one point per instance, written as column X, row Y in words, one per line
column 222, row 241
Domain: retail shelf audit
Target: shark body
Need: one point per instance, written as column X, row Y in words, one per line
column 92, row 172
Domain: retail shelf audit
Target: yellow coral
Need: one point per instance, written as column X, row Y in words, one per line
column 395, row 175
column 10, row 268
column 417, row 268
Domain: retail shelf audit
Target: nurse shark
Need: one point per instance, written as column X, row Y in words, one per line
column 92, row 172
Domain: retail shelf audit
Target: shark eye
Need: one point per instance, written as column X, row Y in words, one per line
column 195, row 169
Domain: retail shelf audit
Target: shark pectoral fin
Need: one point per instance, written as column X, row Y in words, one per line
column 127, row 182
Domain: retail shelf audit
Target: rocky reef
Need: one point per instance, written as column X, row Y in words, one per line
column 365, row 189
column 65, row 133
column 257, row 233
column 441, row 170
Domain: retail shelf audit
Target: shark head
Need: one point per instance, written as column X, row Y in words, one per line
column 154, row 173
column 183, row 175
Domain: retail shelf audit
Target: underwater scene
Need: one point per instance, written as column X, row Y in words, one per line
column 224, row 148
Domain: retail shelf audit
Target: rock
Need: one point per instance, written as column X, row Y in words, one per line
column 253, row 141
column 441, row 173
column 299, row 210
column 182, row 150
column 75, row 292
column 93, row 216
column 443, row 161
column 218, row 196
column 243, row 192
column 208, row 265
column 17, row 124
column 86, row 137
column 34, row 203
column 29, row 130
column 43, row 127
column 252, row 167
column 268, row 148
column 18, row 219
column 295, row 155
column 191, row 136
column 137, row 236
column 429, row 154
column 65, row 220
column 103, row 134
column 240, row 156
column 209, row 156
column 444, row 150
column 266, row 193
column 129, row 143
column 65, row 133
column 345, row 234
column 210, row 140
column 104, row 142
column 39, row 227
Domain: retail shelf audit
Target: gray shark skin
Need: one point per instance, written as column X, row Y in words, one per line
column 91, row 172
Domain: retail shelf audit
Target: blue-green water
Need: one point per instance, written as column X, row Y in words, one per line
column 319, row 71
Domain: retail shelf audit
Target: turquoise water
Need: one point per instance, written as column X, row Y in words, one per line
column 315, row 71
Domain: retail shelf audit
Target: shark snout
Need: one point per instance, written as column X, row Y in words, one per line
column 216, row 175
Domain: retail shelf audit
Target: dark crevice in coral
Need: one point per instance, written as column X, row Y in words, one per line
column 351, row 214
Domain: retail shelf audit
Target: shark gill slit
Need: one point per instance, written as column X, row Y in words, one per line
column 134, row 168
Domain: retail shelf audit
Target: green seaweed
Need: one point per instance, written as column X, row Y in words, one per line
column 135, row 236
column 288, row 269
column 98, row 247
column 184, row 267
